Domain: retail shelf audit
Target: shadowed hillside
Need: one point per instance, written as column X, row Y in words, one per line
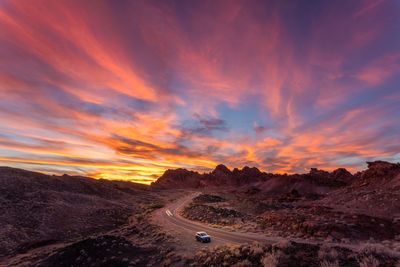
column 38, row 209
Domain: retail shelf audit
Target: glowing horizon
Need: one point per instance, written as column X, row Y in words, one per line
column 128, row 89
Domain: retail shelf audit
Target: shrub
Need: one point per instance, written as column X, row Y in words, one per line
column 378, row 249
column 283, row 244
column 328, row 253
column 140, row 217
column 256, row 249
column 270, row 259
column 154, row 206
column 243, row 263
column 262, row 224
column 326, row 263
column 368, row 261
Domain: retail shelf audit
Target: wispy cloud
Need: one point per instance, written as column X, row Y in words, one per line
column 127, row 89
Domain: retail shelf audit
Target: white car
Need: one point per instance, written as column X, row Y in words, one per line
column 203, row 237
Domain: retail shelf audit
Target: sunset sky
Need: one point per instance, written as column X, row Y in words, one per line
column 128, row 89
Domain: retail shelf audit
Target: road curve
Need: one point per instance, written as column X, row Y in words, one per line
column 171, row 220
column 171, row 215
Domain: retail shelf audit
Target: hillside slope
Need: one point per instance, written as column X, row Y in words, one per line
column 38, row 209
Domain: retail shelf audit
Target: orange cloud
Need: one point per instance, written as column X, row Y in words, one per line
column 126, row 90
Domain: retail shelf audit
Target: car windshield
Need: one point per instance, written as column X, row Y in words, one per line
column 202, row 234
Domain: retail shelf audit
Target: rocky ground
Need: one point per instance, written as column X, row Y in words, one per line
column 77, row 221
column 133, row 244
column 207, row 208
column 366, row 209
column 292, row 254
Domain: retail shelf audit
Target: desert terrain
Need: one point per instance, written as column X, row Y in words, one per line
column 254, row 218
column 190, row 133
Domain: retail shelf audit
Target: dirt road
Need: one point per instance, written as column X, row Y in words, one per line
column 184, row 229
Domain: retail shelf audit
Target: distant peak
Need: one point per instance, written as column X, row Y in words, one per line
column 381, row 164
column 247, row 169
column 179, row 171
column 221, row 168
column 381, row 169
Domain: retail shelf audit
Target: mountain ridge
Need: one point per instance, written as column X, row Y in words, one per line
column 223, row 176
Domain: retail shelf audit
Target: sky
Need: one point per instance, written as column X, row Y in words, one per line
column 128, row 89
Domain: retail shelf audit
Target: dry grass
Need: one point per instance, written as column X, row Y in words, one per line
column 283, row 244
column 155, row 205
column 243, row 263
column 256, row 249
column 327, row 263
column 291, row 255
column 270, row 259
column 369, row 248
column 368, row 261
column 327, row 253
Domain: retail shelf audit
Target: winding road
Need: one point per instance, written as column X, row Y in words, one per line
column 171, row 219
column 184, row 230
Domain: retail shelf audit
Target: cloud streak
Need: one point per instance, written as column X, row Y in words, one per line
column 127, row 89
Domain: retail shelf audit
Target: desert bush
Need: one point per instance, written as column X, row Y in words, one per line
column 243, row 263
column 327, row 263
column 236, row 252
column 256, row 249
column 206, row 198
column 154, row 206
column 291, row 254
column 368, row 261
column 270, row 259
column 369, row 248
column 262, row 224
column 167, row 262
column 283, row 244
column 327, row 253
column 140, row 217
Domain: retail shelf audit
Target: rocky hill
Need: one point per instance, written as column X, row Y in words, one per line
column 38, row 209
column 222, row 176
column 329, row 206
column 375, row 191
